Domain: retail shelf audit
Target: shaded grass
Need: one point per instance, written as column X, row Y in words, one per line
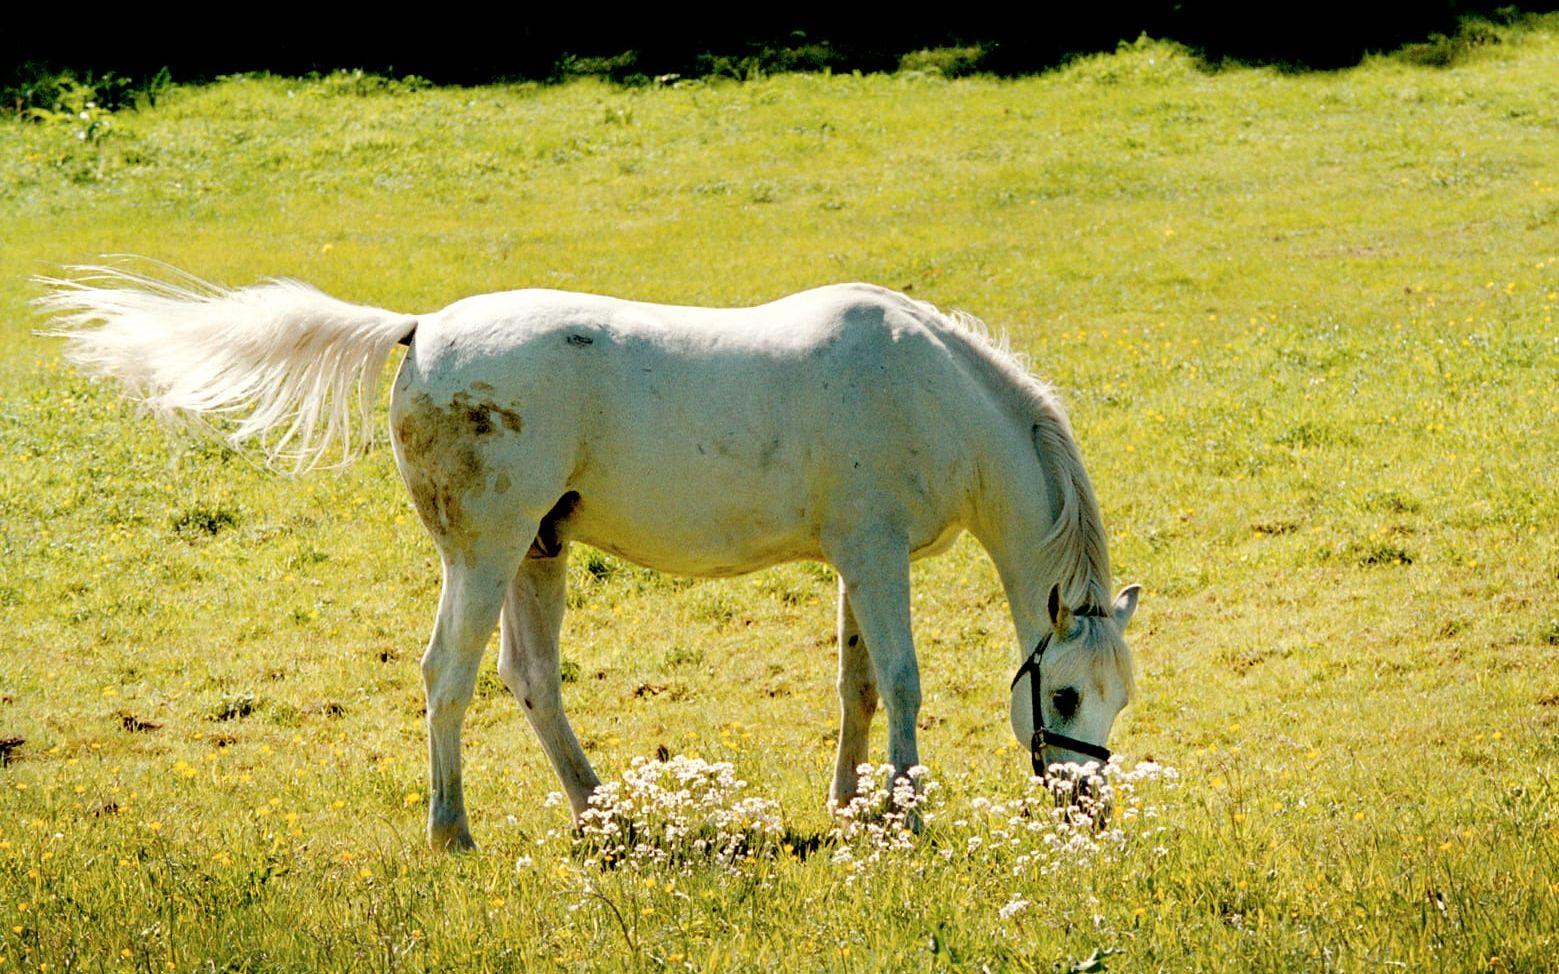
column 1305, row 326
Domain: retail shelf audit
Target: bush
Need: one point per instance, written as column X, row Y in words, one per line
column 948, row 62
column 1145, row 61
column 621, row 68
column 40, row 93
column 771, row 59
column 362, row 84
column 1440, row 51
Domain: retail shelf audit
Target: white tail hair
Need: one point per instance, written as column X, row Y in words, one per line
column 278, row 365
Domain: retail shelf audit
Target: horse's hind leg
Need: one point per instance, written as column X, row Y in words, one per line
column 857, row 702
column 532, row 622
column 468, row 607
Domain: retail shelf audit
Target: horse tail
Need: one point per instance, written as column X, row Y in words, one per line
column 278, row 366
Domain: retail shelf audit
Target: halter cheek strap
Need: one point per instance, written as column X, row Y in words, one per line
column 1043, row 738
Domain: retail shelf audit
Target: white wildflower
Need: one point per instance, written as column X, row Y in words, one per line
column 669, row 813
column 1081, row 815
column 1014, row 906
column 884, row 815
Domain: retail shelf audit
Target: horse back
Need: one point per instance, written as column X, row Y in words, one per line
column 707, row 441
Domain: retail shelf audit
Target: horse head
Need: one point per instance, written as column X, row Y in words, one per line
column 1080, row 677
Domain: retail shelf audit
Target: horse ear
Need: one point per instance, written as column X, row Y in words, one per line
column 1060, row 615
column 1125, row 605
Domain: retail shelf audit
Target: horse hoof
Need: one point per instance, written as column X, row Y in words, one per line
column 451, row 840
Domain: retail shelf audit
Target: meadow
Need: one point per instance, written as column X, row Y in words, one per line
column 1304, row 323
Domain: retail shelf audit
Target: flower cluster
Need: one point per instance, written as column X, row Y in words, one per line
column 1073, row 815
column 676, row 813
column 685, row 813
column 1014, row 906
column 883, row 817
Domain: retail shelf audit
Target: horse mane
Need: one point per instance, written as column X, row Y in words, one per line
column 1075, row 544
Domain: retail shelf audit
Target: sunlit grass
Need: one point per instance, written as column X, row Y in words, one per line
column 1305, row 327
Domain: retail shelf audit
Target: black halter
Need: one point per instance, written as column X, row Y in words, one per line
column 1043, row 737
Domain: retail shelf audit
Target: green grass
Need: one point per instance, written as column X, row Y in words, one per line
column 1305, row 325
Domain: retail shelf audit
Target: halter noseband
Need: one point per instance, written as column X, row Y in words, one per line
column 1042, row 737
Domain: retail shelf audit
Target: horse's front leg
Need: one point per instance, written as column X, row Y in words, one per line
column 873, row 566
column 468, row 608
column 532, row 623
column 857, row 702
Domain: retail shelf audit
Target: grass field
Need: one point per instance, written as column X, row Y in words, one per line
column 1305, row 327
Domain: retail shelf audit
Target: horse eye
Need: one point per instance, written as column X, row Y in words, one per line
column 1065, row 702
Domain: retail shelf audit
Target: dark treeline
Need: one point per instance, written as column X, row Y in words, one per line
column 463, row 45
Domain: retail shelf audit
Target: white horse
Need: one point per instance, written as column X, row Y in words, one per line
column 848, row 424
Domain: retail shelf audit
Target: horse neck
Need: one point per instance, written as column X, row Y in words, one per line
column 1031, row 503
column 1020, row 523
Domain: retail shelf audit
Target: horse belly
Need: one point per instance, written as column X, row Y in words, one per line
column 707, row 519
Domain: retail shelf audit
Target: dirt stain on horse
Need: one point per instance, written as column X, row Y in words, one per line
column 483, row 414
column 444, row 464
column 768, row 453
